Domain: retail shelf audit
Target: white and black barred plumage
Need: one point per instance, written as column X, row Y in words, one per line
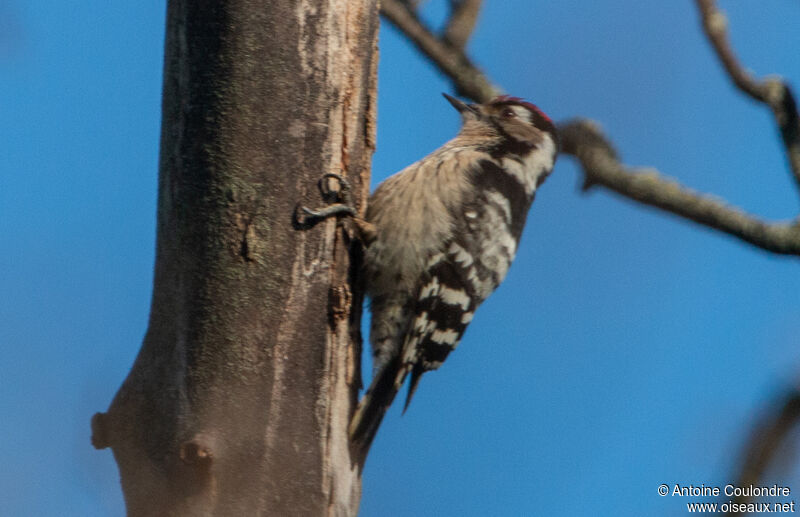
column 446, row 230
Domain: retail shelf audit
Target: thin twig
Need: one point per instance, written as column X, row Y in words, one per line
column 468, row 80
column 772, row 91
column 463, row 17
column 766, row 441
column 584, row 140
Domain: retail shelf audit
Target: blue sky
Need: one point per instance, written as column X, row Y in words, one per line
column 626, row 349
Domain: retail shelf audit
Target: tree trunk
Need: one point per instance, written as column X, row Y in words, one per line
column 239, row 400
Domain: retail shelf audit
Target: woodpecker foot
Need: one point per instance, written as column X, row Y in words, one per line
column 338, row 195
column 328, row 211
column 329, row 191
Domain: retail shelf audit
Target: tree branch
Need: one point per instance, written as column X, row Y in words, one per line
column 463, row 17
column 583, row 140
column 468, row 80
column 766, row 441
column 772, row 91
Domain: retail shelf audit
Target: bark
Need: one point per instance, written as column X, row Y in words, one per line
column 239, row 399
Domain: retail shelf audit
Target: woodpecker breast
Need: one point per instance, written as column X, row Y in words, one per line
column 419, row 210
column 413, row 216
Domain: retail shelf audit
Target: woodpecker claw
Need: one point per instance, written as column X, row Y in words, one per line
column 341, row 205
column 345, row 185
column 329, row 211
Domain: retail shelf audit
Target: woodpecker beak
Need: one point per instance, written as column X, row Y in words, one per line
column 462, row 107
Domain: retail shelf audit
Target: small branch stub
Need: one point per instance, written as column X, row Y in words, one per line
column 339, row 192
column 195, row 454
column 100, row 438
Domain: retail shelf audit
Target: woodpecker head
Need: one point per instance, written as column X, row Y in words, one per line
column 518, row 125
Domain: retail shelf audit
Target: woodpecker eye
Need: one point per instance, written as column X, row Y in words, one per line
column 509, row 113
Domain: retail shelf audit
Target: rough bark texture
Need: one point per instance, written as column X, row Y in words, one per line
column 239, row 400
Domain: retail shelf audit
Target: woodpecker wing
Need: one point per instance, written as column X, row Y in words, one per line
column 442, row 310
column 444, row 307
column 458, row 280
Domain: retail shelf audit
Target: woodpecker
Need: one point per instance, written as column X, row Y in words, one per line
column 440, row 236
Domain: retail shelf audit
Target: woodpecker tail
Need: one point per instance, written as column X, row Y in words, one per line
column 380, row 395
column 416, row 375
